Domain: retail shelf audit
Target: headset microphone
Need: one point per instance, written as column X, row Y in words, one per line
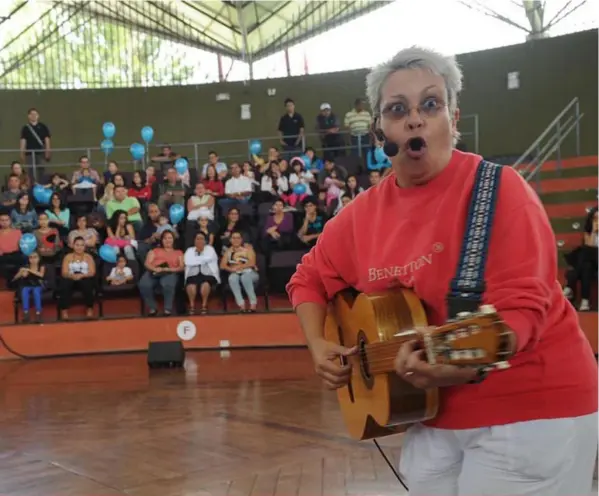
column 391, row 149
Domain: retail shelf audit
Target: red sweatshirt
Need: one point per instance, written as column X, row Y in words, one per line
column 390, row 236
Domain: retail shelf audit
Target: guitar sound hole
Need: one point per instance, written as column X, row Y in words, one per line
column 364, row 366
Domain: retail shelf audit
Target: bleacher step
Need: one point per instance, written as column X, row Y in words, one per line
column 588, row 171
column 574, row 209
column 563, row 197
column 571, row 163
column 566, row 184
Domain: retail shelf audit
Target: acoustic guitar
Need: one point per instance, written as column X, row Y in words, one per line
column 377, row 402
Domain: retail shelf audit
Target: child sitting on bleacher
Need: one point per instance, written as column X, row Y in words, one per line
column 120, row 274
column 333, row 189
column 86, row 181
column 56, row 184
column 30, row 280
column 164, row 225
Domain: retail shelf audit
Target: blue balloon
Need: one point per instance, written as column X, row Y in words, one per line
column 379, row 155
column 107, row 146
column 147, row 133
column 109, row 130
column 181, row 166
column 255, row 147
column 41, row 194
column 138, row 151
column 108, row 253
column 28, row 244
column 299, row 189
column 176, row 213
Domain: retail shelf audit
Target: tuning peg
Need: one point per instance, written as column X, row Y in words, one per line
column 502, row 365
column 487, row 309
column 463, row 315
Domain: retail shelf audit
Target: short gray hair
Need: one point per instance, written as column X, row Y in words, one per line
column 415, row 58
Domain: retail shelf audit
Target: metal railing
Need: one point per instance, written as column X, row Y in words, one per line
column 549, row 142
column 236, row 150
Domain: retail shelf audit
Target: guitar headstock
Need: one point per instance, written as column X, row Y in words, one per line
column 472, row 339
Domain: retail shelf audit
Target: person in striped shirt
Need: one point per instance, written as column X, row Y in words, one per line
column 359, row 122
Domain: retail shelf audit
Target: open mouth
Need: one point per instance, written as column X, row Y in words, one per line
column 415, row 147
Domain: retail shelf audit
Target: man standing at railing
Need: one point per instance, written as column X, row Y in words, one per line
column 291, row 130
column 359, row 122
column 35, row 143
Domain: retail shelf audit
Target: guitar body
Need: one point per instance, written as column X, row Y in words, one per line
column 378, row 403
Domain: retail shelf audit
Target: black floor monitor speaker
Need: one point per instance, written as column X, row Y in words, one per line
column 165, row 354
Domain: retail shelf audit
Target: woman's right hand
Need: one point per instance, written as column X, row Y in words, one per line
column 327, row 363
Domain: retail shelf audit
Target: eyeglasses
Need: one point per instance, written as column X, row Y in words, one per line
column 429, row 108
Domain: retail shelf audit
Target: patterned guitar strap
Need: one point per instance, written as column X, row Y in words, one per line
column 468, row 286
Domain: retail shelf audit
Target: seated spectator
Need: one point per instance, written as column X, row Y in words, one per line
column 352, row 189
column 49, row 244
column 59, row 216
column 92, row 174
column 89, row 235
column 78, row 274
column 238, row 188
column 23, row 216
column 278, row 229
column 232, row 223
column 119, row 180
column 120, row 273
column 299, row 176
column 371, row 162
column 200, row 204
column 333, row 186
column 17, row 169
column 57, row 184
column 583, row 262
column 273, row 184
column 247, row 170
column 166, row 158
column 312, row 226
column 108, row 196
column 127, row 204
column 139, row 190
column 12, row 192
column 164, row 225
column 214, row 186
column 148, row 237
column 316, row 164
column 239, row 260
column 220, row 168
column 113, row 169
column 150, row 175
column 11, row 257
column 163, row 264
column 374, row 177
column 121, row 235
column 207, row 229
column 329, row 166
column 201, row 271
column 86, row 182
column 171, row 192
column 30, row 281
column 345, row 201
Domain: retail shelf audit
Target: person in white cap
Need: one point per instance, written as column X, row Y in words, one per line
column 328, row 126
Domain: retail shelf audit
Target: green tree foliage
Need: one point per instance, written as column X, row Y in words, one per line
column 69, row 47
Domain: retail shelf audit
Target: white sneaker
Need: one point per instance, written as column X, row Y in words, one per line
column 568, row 293
column 584, row 306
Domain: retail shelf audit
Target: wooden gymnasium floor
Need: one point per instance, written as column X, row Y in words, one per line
column 237, row 423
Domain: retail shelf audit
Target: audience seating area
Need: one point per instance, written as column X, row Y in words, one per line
column 92, row 212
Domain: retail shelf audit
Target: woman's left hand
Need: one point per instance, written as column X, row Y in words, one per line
column 411, row 365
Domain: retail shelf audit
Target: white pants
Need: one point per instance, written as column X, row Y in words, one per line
column 537, row 458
